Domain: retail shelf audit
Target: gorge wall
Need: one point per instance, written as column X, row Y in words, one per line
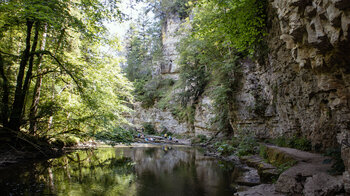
column 302, row 88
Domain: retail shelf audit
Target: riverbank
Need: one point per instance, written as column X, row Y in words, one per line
column 15, row 148
column 30, row 151
column 273, row 170
column 287, row 171
column 281, row 171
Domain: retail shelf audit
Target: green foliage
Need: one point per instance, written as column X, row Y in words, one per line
column 81, row 87
column 221, row 34
column 281, row 167
column 143, row 48
column 284, row 166
column 242, row 145
column 65, row 140
column 294, row 142
column 239, row 22
column 300, row 143
column 165, row 131
column 184, row 113
column 165, row 7
column 247, row 145
column 226, row 84
column 149, row 92
column 262, row 151
column 149, row 128
column 224, row 148
column 117, row 135
column 113, row 174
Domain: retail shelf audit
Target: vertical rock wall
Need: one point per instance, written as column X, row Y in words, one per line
column 304, row 87
column 166, row 68
column 170, row 37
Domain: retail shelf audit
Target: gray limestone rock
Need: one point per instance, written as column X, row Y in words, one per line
column 322, row 184
column 249, row 177
column 260, row 190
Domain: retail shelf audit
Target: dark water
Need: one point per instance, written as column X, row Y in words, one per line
column 144, row 171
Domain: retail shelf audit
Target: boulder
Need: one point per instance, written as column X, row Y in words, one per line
column 249, row 177
column 322, row 184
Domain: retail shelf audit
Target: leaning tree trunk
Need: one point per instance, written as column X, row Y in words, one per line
column 37, row 89
column 21, row 91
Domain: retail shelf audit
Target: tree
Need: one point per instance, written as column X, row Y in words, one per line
column 60, row 52
column 143, row 47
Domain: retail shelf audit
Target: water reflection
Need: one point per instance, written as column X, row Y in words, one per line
column 121, row 171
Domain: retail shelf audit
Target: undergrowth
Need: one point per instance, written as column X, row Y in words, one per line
column 117, row 135
column 299, row 143
column 241, row 145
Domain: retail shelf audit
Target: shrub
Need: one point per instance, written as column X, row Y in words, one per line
column 242, row 145
column 247, row 146
column 117, row 135
column 299, row 143
column 150, row 91
column 224, row 148
column 149, row 128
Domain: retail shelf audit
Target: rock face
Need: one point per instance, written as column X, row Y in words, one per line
column 204, row 113
column 303, row 88
column 170, row 37
column 160, row 119
column 168, row 68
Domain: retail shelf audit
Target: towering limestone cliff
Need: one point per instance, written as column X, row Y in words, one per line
column 302, row 87
column 166, row 68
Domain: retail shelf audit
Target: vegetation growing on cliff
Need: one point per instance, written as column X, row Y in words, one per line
column 222, row 33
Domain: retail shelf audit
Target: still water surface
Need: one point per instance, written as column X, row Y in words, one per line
column 144, row 171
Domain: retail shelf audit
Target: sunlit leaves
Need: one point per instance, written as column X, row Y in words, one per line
column 240, row 22
column 82, row 88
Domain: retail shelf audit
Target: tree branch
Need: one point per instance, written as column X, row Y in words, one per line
column 60, row 65
column 44, row 73
column 8, row 54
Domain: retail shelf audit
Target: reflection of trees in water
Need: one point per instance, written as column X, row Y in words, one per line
column 185, row 171
column 126, row 171
column 98, row 172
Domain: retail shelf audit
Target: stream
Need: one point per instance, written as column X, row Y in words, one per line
column 145, row 170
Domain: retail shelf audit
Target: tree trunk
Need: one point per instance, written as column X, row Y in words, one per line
column 21, row 91
column 5, row 96
column 16, row 113
column 37, row 89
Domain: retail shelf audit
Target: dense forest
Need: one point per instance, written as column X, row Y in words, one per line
column 56, row 81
